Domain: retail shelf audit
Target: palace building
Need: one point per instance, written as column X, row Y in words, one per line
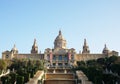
column 59, row 56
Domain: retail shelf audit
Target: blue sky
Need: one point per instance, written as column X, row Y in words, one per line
column 23, row 20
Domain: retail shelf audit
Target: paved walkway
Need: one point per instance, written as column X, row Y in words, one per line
column 36, row 77
column 83, row 77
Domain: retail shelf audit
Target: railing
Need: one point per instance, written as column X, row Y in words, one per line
column 65, row 61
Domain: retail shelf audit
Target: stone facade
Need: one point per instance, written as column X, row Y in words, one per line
column 59, row 56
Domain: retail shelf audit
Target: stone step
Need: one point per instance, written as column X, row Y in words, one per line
column 59, row 82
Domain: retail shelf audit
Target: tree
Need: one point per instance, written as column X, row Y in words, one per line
column 39, row 64
column 94, row 74
column 115, row 68
column 91, row 63
column 112, row 59
column 13, row 77
column 80, row 63
column 20, row 80
column 6, row 79
column 109, row 79
column 101, row 61
column 3, row 64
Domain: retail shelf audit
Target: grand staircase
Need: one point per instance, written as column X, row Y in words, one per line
column 59, row 76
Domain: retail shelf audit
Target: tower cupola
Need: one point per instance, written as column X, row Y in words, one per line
column 85, row 48
column 14, row 49
column 34, row 47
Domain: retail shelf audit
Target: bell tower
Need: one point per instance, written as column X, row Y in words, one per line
column 34, row 47
column 85, row 48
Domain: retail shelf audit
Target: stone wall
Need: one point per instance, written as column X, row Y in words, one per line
column 85, row 57
column 29, row 56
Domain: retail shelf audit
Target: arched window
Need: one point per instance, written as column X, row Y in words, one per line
column 65, row 58
column 7, row 56
column 48, row 57
column 54, row 57
column 60, row 57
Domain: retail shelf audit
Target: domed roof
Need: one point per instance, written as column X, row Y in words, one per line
column 60, row 42
column 105, row 48
column 60, row 37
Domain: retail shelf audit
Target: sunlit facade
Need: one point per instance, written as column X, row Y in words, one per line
column 60, row 55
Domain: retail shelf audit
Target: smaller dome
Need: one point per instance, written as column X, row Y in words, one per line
column 105, row 48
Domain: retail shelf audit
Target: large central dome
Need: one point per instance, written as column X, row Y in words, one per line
column 60, row 41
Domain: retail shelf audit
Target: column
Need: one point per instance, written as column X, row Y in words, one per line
column 51, row 57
